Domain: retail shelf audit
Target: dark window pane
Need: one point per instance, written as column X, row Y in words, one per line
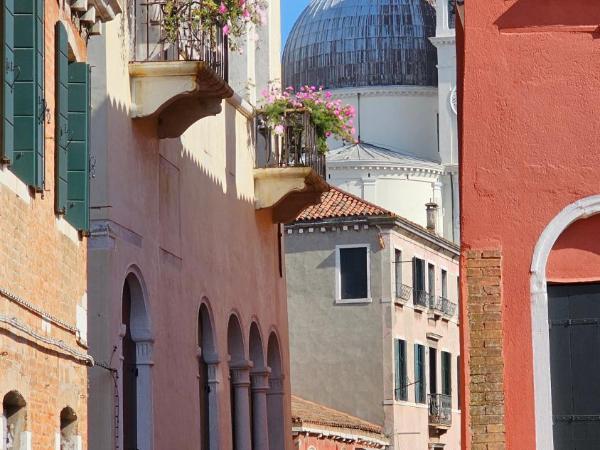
column 353, row 273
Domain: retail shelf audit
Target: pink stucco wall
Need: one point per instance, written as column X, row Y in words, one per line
column 530, row 126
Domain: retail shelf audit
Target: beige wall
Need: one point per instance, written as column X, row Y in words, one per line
column 181, row 212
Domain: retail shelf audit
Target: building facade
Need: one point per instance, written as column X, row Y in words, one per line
column 187, row 290
column 43, row 189
column 530, row 223
column 395, row 63
column 372, row 301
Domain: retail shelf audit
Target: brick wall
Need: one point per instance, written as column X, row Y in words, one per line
column 44, row 266
column 485, row 365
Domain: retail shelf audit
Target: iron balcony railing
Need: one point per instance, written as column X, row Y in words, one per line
column 421, row 298
column 172, row 31
column 440, row 409
column 404, row 292
column 294, row 146
column 447, row 307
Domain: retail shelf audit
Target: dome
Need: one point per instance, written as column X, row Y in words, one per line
column 354, row 43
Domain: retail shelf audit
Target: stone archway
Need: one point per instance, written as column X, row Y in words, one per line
column 208, row 385
column 14, row 421
column 260, row 386
column 581, row 209
column 239, row 383
column 275, row 396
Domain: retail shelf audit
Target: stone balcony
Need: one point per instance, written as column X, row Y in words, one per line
column 290, row 173
column 178, row 76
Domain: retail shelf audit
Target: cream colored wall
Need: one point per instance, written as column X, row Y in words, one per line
column 408, row 421
column 181, row 211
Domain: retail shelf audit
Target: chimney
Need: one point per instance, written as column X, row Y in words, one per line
column 432, row 216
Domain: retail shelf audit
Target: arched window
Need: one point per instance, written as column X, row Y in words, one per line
column 14, row 420
column 69, row 438
column 275, row 395
column 207, row 383
column 259, row 386
column 136, row 372
column 239, row 377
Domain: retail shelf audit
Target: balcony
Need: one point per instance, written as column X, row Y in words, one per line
column 290, row 174
column 179, row 70
column 421, row 299
column 440, row 412
column 404, row 293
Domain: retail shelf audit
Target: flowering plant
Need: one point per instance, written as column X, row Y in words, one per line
column 329, row 116
column 233, row 17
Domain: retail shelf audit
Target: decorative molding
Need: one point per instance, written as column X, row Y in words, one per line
column 581, row 209
column 401, row 168
column 386, row 91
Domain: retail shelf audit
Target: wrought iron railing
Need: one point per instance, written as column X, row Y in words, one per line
column 440, row 409
column 294, row 145
column 171, row 31
column 421, row 298
column 446, row 307
column 404, row 292
column 451, row 14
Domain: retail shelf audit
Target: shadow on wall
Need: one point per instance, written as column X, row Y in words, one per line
column 576, row 255
column 552, row 13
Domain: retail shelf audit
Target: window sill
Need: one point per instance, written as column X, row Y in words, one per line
column 353, row 301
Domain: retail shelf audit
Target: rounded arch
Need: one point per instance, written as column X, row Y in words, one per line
column 257, row 355
column 14, row 418
column 581, row 209
column 235, row 339
column 274, row 355
column 206, row 338
column 68, row 428
column 135, row 302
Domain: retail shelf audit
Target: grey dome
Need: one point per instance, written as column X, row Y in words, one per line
column 353, row 43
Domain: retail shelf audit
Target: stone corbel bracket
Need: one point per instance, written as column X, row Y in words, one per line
column 106, row 10
column 177, row 93
column 287, row 191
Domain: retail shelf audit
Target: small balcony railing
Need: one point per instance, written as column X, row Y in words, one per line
column 161, row 34
column 294, row 146
column 404, row 292
column 446, row 307
column 440, row 410
column 421, row 298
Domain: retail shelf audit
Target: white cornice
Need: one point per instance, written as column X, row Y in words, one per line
column 441, row 41
column 387, row 91
column 384, row 167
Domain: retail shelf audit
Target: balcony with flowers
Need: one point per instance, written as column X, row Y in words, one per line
column 180, row 57
column 292, row 132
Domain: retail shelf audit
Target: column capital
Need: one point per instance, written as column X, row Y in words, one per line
column 144, row 352
column 240, row 373
column 276, row 385
column 260, row 379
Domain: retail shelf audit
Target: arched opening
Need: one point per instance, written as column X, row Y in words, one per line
column 275, row 396
column 207, row 385
column 565, row 312
column 135, row 371
column 239, row 393
column 259, row 387
column 14, row 420
column 69, row 438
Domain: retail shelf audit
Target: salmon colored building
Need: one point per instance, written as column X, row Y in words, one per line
column 529, row 109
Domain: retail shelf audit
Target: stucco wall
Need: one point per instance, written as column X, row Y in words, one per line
column 336, row 350
column 530, row 157
column 181, row 212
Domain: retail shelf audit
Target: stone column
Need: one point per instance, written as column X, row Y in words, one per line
column 144, row 363
column 277, row 430
column 240, row 380
column 213, row 381
column 260, row 423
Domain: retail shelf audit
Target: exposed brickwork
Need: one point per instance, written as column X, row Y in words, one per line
column 45, row 267
column 485, row 366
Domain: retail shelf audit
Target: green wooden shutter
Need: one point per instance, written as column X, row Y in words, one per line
column 403, row 380
column 29, row 105
column 418, row 379
column 398, row 380
column 78, row 160
column 446, row 373
column 8, row 76
column 61, row 117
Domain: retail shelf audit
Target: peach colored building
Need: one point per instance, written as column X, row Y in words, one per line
column 374, row 329
column 187, row 290
column 43, row 192
column 529, row 104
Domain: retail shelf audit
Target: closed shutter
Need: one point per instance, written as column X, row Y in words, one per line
column 29, row 105
column 419, row 375
column 397, row 369
column 402, row 361
column 61, row 117
column 78, row 160
column 446, row 373
column 8, row 79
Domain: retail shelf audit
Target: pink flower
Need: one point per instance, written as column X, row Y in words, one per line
column 279, row 130
column 226, row 29
column 223, row 9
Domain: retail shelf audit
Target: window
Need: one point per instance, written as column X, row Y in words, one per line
column 68, row 429
column 398, row 272
column 446, row 373
column 14, row 416
column 444, row 284
column 432, row 370
column 458, row 381
column 431, row 284
column 419, row 295
column 420, row 380
column 353, row 273
column 400, row 391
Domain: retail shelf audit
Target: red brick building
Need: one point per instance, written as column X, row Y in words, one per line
column 43, row 221
column 316, row 427
column 530, row 127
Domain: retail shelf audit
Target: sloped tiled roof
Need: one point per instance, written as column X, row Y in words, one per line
column 305, row 412
column 337, row 203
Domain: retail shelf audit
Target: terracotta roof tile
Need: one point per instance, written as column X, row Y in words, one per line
column 306, row 412
column 336, row 203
